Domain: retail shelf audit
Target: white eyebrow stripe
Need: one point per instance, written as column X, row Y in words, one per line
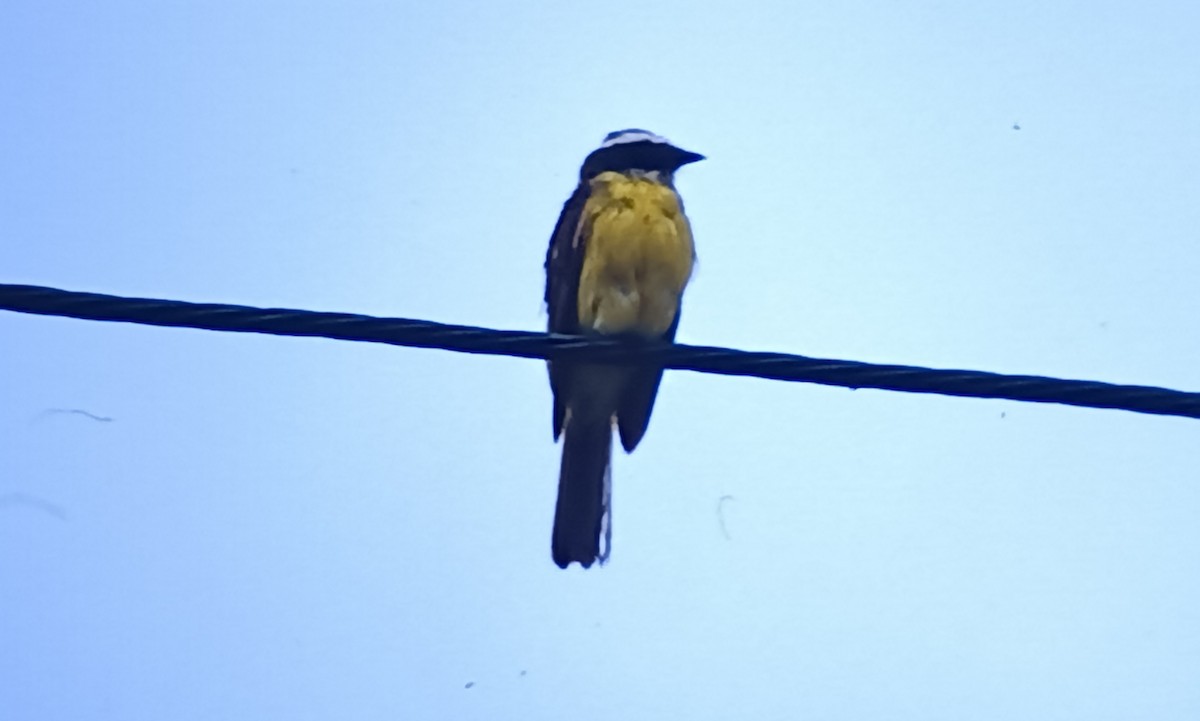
column 634, row 138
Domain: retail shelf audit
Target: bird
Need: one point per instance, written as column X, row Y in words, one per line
column 619, row 259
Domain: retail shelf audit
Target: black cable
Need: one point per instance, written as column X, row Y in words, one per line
column 705, row 359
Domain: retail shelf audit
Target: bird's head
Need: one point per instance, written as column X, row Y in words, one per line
column 631, row 150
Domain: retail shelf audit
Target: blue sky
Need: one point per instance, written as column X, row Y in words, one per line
column 287, row 528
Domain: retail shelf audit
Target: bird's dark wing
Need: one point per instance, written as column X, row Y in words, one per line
column 637, row 400
column 564, row 262
column 581, row 517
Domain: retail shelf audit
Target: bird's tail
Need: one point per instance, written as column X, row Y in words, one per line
column 582, row 518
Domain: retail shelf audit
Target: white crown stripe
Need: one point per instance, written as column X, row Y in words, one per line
column 634, row 137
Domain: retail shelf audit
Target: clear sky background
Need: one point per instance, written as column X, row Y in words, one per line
column 307, row 529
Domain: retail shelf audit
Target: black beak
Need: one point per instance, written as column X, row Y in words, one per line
column 686, row 157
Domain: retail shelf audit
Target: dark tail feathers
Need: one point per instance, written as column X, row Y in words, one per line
column 581, row 517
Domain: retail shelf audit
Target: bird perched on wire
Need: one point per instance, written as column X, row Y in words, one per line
column 619, row 260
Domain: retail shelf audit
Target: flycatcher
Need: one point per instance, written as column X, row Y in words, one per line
column 619, row 260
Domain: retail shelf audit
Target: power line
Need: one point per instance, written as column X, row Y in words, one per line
column 705, row 359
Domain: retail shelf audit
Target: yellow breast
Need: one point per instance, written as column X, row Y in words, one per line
column 638, row 258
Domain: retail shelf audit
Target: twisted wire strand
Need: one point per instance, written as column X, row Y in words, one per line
column 41, row 300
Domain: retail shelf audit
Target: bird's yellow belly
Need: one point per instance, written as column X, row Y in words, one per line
column 638, row 258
